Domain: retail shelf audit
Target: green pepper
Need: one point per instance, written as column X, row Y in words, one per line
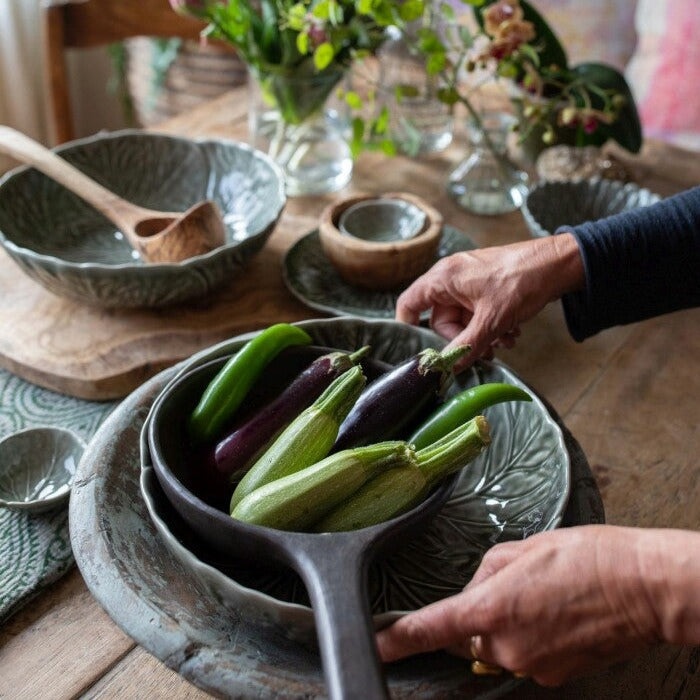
column 229, row 387
column 463, row 408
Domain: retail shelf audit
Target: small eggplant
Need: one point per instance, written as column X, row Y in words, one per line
column 392, row 403
column 238, row 450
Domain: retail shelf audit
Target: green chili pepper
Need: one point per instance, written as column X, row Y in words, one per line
column 229, row 387
column 462, row 408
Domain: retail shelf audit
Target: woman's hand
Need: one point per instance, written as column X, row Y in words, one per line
column 561, row 603
column 481, row 297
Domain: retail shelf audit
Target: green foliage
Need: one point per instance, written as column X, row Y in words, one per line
column 626, row 129
column 292, row 39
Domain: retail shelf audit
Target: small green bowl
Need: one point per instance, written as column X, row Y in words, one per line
column 37, row 466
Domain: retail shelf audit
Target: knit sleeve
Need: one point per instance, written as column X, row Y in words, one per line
column 637, row 264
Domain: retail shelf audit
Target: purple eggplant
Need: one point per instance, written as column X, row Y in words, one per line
column 237, row 451
column 391, row 404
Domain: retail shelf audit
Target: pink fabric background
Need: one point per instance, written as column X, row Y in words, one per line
column 665, row 70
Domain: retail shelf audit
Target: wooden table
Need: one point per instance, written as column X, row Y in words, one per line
column 629, row 395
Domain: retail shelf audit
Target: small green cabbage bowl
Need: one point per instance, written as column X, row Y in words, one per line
column 73, row 251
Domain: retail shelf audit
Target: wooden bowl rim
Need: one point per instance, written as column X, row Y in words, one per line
column 329, row 224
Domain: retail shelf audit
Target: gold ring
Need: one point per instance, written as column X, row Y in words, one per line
column 520, row 674
column 481, row 668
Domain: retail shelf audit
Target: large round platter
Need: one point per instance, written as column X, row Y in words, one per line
column 236, row 641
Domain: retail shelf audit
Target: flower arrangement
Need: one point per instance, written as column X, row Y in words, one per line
column 286, row 41
column 584, row 104
column 282, row 40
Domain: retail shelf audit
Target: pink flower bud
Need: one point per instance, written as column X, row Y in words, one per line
column 590, row 124
column 317, row 35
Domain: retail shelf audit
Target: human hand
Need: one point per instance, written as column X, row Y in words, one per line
column 561, row 603
column 480, row 297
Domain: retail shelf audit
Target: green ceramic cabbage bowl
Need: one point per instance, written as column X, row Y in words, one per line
column 72, row 250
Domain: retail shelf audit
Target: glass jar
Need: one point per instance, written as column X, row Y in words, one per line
column 419, row 122
column 298, row 121
column 488, row 182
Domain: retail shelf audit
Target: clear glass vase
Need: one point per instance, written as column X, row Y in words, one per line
column 419, row 122
column 298, row 121
column 488, row 182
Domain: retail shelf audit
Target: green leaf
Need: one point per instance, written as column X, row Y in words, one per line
column 429, row 42
column 358, row 132
column 296, row 16
column 388, row 147
column 358, row 128
column 384, row 13
column 401, row 91
column 335, row 13
column 353, row 99
column 411, row 10
column 360, row 54
column 466, row 36
column 626, row 129
column 528, row 52
column 323, row 55
column 447, row 11
column 507, row 69
column 382, row 123
column 303, row 43
column 449, row 95
column 435, row 63
column 364, row 7
column 322, row 10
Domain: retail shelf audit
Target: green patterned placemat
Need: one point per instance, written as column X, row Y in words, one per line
column 35, row 548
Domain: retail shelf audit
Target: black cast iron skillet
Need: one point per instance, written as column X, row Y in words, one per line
column 333, row 566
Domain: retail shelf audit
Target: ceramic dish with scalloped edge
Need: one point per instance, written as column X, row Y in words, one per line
column 519, row 486
column 73, row 251
column 551, row 204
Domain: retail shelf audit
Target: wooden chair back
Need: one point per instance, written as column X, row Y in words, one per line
column 90, row 23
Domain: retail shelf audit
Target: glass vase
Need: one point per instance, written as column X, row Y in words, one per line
column 419, row 122
column 297, row 120
column 488, row 182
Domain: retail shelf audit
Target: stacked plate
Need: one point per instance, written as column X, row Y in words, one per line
column 137, row 550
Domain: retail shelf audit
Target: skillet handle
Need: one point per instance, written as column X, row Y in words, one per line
column 336, row 579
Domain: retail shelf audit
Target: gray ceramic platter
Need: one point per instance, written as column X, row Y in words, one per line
column 228, row 638
column 312, row 279
column 73, row 251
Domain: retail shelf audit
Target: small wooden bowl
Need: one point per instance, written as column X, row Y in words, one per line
column 380, row 265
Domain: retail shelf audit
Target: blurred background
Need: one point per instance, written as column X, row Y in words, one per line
column 142, row 81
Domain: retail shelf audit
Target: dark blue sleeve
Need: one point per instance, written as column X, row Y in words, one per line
column 638, row 264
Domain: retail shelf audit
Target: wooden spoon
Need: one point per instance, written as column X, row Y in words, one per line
column 158, row 236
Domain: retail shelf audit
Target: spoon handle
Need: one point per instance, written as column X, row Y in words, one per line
column 26, row 150
column 336, row 579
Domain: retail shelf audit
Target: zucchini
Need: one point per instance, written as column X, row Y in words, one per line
column 294, row 502
column 387, row 495
column 400, row 489
column 307, row 439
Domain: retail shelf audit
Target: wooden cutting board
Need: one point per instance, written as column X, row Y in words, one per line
column 105, row 354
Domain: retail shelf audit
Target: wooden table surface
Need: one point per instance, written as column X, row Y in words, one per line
column 629, row 395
